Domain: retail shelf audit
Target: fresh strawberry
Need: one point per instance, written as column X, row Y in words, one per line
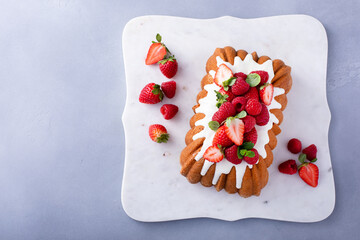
column 264, row 116
column 264, row 76
column 266, row 94
column 158, row 133
column 234, row 128
column 294, row 145
column 253, row 107
column 231, row 154
column 309, row 172
column 168, row 67
column 239, row 103
column 251, row 136
column 249, row 122
column 169, row 88
column 221, row 138
column 222, row 74
column 254, row 159
column 252, row 93
column 157, row 51
column 151, row 94
column 240, row 86
column 310, row 152
column 229, row 93
column 288, row 167
column 226, row 110
column 169, row 111
column 213, row 154
column 240, row 74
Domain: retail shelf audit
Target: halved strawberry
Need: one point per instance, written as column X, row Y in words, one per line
column 266, row 93
column 222, row 74
column 234, row 128
column 309, row 173
column 157, row 51
column 213, row 154
column 221, row 138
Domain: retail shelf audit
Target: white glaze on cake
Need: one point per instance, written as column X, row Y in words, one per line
column 207, row 106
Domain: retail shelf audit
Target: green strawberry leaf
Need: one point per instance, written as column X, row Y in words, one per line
column 314, row 160
column 247, row 145
column 157, row 91
column 241, row 114
column 214, row 125
column 250, row 154
column 158, row 37
column 163, row 138
column 302, row 157
column 231, row 81
column 253, row 79
column 220, row 98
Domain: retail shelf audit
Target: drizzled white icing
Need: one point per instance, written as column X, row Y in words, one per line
column 207, row 106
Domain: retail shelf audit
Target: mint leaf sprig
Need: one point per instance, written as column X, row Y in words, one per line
column 253, row 79
column 228, row 83
column 245, row 150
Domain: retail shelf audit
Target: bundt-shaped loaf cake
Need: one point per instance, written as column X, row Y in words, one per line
column 244, row 178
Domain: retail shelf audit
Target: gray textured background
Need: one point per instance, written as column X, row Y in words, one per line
column 61, row 138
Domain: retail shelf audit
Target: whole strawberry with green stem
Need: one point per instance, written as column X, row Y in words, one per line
column 151, row 94
column 158, row 133
column 168, row 66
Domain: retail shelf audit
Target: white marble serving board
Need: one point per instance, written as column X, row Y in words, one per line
column 153, row 189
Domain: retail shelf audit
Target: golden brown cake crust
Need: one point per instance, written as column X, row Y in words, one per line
column 256, row 178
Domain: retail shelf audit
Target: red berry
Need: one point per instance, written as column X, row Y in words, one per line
column 231, row 155
column 169, row 88
column 249, row 122
column 252, row 93
column 235, row 130
column 264, row 76
column 252, row 160
column 168, row 67
column 253, row 107
column 157, row 51
column 310, row 152
column 213, row 154
column 309, row 173
column 221, row 138
column 240, row 74
column 294, row 145
column 251, row 136
column 222, row 74
column 229, row 93
column 264, row 116
column 158, row 133
column 288, row 167
column 151, row 94
column 266, row 94
column 226, row 110
column 240, row 87
column 169, row 111
column 239, row 103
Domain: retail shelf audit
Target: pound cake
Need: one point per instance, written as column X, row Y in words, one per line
column 235, row 122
